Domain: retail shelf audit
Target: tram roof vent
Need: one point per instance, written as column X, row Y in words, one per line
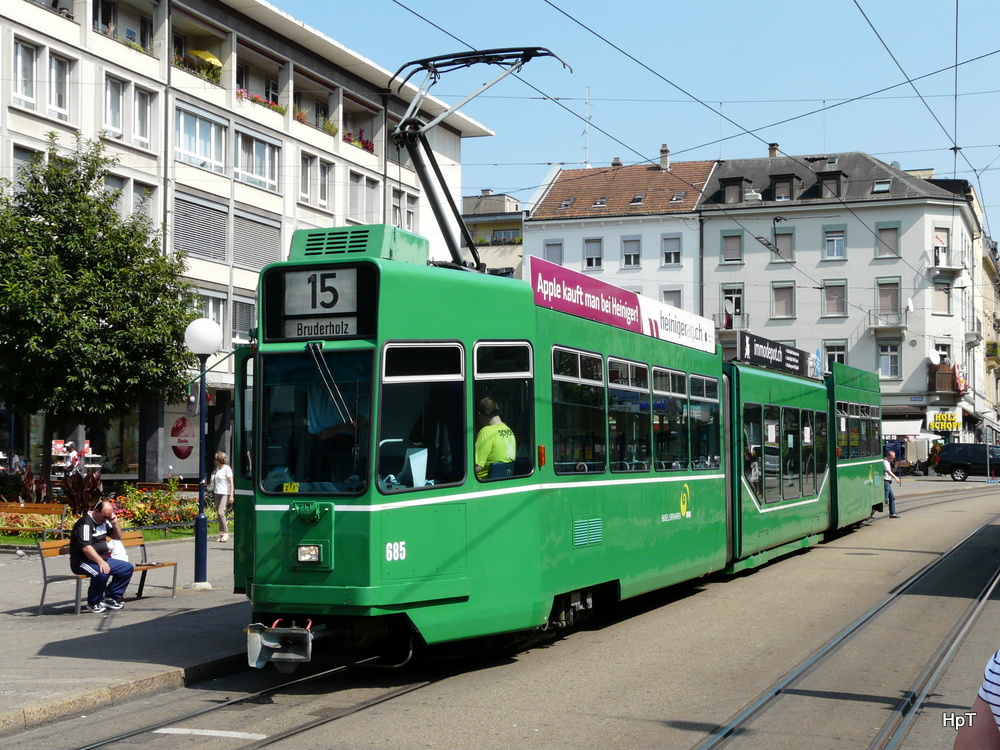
column 371, row 240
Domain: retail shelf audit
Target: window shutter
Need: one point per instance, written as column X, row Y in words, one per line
column 200, row 229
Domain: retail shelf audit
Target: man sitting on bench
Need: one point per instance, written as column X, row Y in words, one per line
column 89, row 555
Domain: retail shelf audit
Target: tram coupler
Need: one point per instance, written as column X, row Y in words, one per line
column 285, row 647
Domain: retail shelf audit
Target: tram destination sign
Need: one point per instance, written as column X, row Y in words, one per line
column 559, row 288
column 315, row 303
column 758, row 350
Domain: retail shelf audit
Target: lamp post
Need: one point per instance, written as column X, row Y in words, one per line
column 203, row 337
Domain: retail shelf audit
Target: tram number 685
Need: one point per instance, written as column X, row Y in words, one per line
column 395, row 551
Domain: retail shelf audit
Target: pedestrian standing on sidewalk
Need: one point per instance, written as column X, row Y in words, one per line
column 889, row 476
column 222, row 488
column 90, row 555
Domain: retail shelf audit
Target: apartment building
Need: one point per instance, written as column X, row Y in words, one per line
column 840, row 254
column 633, row 226
column 233, row 124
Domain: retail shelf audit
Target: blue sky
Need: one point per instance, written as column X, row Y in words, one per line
column 756, row 63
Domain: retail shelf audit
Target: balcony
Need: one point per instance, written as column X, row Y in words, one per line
column 887, row 321
column 727, row 322
column 941, row 379
column 943, row 262
column 992, row 355
column 973, row 331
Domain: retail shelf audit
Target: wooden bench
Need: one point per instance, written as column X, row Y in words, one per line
column 130, row 539
column 36, row 509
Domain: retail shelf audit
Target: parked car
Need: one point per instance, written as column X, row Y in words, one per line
column 962, row 460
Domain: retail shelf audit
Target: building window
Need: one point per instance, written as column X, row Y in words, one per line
column 829, row 187
column 671, row 247
column 593, row 254
column 732, row 306
column 888, row 242
column 363, row 199
column 257, row 161
column 25, row 74
column 213, row 307
column 306, row 177
column 888, row 361
column 834, row 244
column 114, row 104
column 637, row 199
column 146, row 33
column 836, row 351
column 552, row 251
column 782, row 190
column 58, row 87
column 271, row 90
column 325, row 180
column 141, row 118
column 732, row 246
column 243, row 77
column 244, row 319
column 601, row 202
column 881, row 186
column 786, row 248
column 104, row 16
column 835, row 299
column 631, row 252
column 782, row 299
column 200, row 141
column 888, row 299
column 942, row 297
column 942, row 236
column 732, row 191
column 404, row 207
column 508, row 236
column 673, row 297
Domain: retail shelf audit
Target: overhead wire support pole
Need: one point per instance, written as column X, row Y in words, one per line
column 411, row 132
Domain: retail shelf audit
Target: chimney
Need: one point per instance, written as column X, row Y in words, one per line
column 772, row 150
column 487, row 191
column 664, row 158
column 616, row 162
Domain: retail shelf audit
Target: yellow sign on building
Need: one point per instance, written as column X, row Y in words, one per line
column 945, row 422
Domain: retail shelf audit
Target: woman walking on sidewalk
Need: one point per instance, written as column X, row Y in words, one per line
column 222, row 487
column 889, row 476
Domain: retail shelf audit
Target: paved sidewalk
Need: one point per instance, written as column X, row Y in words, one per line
column 60, row 664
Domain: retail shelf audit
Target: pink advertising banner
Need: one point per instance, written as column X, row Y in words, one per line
column 559, row 288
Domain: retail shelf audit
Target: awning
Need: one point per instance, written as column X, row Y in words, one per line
column 206, row 56
column 902, row 427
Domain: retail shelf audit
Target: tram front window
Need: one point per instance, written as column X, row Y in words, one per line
column 315, row 422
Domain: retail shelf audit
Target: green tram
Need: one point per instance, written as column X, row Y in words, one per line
column 642, row 459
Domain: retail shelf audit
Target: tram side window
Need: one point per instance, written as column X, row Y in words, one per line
column 772, row 454
column 579, row 418
column 822, row 445
column 243, row 460
column 808, row 454
column 705, row 422
column 503, row 372
column 753, row 459
column 670, row 420
column 865, row 439
column 854, row 431
column 422, row 429
column 843, row 449
column 628, row 416
column 791, row 461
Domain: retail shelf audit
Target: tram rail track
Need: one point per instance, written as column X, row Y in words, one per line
column 904, row 711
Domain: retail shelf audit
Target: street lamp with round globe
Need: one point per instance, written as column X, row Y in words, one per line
column 203, row 338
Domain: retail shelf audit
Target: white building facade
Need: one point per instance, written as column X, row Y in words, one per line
column 239, row 125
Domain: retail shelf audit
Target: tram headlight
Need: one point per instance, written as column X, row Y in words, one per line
column 309, row 553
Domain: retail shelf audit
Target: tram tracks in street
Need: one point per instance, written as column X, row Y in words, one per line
column 259, row 701
column 941, row 641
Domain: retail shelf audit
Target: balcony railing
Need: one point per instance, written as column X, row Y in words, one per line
column 727, row 322
column 894, row 318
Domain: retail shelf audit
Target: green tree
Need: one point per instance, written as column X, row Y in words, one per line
column 92, row 311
